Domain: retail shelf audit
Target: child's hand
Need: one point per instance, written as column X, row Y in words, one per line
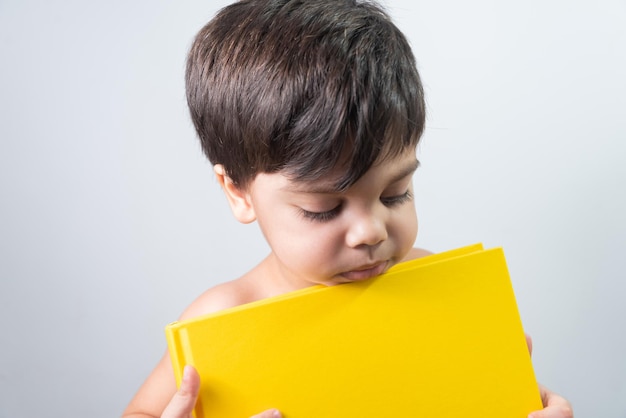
column 554, row 406
column 184, row 400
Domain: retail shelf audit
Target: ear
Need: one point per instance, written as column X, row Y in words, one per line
column 238, row 199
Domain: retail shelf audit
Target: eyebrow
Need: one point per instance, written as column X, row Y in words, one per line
column 329, row 188
column 406, row 171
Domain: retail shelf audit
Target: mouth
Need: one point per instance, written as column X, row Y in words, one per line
column 365, row 272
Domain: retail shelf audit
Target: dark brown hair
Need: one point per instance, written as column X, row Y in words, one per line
column 301, row 86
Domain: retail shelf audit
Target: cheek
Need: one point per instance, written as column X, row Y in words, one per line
column 313, row 245
column 312, row 256
column 406, row 227
column 299, row 241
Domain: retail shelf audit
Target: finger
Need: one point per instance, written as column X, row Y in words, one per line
column 555, row 406
column 270, row 413
column 529, row 343
column 184, row 400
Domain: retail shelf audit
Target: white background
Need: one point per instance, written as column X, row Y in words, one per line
column 111, row 221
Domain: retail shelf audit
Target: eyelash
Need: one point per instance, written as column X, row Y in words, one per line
column 321, row 216
column 331, row 214
column 397, row 200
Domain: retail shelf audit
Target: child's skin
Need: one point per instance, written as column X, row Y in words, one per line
column 345, row 212
column 373, row 230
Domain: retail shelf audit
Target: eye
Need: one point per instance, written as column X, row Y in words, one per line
column 321, row 216
column 397, row 200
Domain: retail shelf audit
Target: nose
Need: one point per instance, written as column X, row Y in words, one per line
column 366, row 228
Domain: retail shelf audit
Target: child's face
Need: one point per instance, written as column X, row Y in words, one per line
column 321, row 236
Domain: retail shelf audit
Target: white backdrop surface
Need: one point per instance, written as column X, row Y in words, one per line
column 111, row 221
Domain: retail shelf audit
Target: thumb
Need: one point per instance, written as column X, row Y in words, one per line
column 184, row 400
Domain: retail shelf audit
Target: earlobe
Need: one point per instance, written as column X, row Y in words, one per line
column 238, row 199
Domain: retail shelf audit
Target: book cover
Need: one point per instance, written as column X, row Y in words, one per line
column 437, row 336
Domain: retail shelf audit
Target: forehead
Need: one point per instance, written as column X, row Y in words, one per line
column 389, row 169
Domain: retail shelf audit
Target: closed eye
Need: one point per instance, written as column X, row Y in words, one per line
column 397, row 200
column 321, row 216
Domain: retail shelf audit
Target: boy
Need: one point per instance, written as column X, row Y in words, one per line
column 310, row 112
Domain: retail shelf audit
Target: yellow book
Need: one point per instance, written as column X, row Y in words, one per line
column 439, row 336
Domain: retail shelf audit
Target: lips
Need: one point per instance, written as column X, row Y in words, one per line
column 365, row 272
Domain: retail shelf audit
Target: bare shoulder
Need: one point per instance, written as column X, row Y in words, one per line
column 223, row 296
column 416, row 253
column 250, row 287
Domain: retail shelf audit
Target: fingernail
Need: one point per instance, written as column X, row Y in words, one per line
column 186, row 372
column 277, row 414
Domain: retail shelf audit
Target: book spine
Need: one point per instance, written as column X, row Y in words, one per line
column 175, row 347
